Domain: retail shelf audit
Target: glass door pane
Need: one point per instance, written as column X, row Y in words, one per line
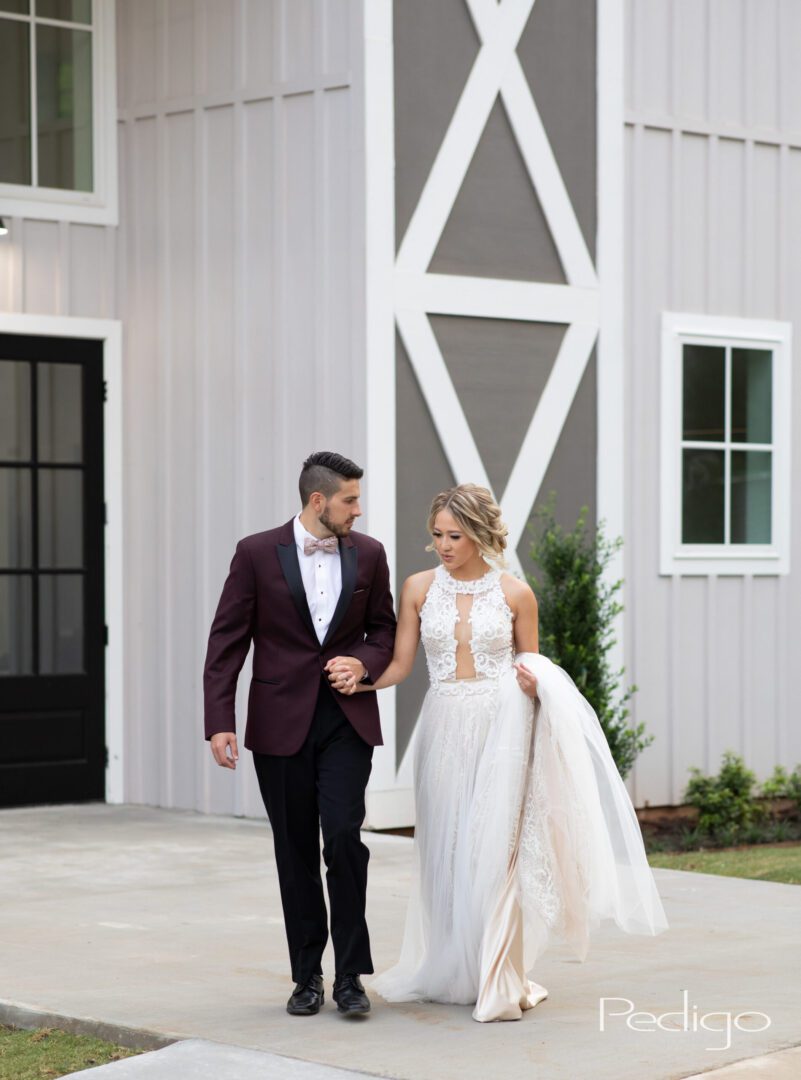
column 16, row 624
column 16, row 547
column 58, row 412
column 15, row 410
column 60, row 624
column 60, row 518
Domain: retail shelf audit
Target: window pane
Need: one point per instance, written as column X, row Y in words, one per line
column 751, row 496
column 17, row 7
column 704, row 392
column 58, row 403
column 60, row 518
column 15, row 103
column 60, row 624
column 751, row 395
column 15, row 410
column 15, row 519
column 68, row 10
column 16, row 625
column 64, row 107
column 702, row 497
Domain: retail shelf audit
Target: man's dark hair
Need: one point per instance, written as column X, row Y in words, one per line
column 324, row 471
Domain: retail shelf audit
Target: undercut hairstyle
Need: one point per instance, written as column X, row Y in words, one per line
column 324, row 471
column 477, row 515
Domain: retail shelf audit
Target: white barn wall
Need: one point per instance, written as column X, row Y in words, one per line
column 713, row 198
column 237, row 270
column 240, row 248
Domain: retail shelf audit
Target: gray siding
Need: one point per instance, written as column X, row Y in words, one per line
column 713, row 190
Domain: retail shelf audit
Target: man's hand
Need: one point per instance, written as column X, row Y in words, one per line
column 345, row 673
column 219, row 744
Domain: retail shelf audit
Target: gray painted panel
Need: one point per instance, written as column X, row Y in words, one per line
column 90, row 286
column 497, row 227
column 180, row 366
column 727, row 36
column 571, row 472
column 261, row 45
column 434, row 48
column 178, row 42
column 41, row 267
column 558, row 54
column 220, row 45
column 422, row 472
column 139, row 53
column 690, row 24
column 499, row 368
column 728, row 216
column 763, row 264
column 144, row 614
column 338, row 19
column 300, row 30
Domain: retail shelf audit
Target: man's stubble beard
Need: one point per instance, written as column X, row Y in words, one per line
column 337, row 530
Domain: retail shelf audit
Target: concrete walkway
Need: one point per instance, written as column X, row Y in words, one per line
column 169, row 923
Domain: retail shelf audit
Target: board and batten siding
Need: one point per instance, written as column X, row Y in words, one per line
column 713, row 210
column 239, row 266
column 236, row 271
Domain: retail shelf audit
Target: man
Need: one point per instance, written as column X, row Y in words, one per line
column 304, row 594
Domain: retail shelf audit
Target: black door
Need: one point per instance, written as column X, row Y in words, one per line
column 52, row 634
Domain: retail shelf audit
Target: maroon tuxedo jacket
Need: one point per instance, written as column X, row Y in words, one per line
column 264, row 601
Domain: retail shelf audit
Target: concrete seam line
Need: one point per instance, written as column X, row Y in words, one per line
column 23, row 1016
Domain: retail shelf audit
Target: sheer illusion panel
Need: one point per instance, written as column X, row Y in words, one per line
column 463, row 636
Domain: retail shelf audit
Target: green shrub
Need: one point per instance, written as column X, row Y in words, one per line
column 576, row 612
column 726, row 803
column 784, row 785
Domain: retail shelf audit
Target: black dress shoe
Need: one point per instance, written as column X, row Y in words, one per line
column 307, row 997
column 350, row 996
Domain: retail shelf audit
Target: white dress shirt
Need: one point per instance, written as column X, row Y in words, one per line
column 322, row 580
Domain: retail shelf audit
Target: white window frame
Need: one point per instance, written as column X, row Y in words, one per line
column 723, row 559
column 98, row 207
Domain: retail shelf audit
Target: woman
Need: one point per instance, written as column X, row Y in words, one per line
column 524, row 827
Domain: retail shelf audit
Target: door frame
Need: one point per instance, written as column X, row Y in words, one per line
column 109, row 331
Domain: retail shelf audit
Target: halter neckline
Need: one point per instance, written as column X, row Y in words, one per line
column 476, row 585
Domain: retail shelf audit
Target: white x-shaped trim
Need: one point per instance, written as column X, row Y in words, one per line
column 496, row 70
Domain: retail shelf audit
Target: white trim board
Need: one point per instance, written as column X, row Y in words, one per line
column 721, row 559
column 109, row 331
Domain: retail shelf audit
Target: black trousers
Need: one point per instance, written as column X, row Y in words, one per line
column 322, row 786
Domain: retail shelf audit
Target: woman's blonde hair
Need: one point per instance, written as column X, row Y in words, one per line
column 478, row 516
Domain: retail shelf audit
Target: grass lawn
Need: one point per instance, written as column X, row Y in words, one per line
column 48, row 1052
column 760, row 862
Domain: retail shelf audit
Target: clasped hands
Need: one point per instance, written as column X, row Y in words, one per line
column 345, row 673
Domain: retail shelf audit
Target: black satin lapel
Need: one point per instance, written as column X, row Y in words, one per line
column 288, row 557
column 348, row 557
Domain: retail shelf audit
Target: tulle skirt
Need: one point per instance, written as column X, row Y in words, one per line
column 524, row 832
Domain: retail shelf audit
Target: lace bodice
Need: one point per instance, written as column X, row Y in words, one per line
column 491, row 638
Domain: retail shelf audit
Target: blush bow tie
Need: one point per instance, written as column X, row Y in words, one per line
column 330, row 544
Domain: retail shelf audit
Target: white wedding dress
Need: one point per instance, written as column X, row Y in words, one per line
column 525, row 831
